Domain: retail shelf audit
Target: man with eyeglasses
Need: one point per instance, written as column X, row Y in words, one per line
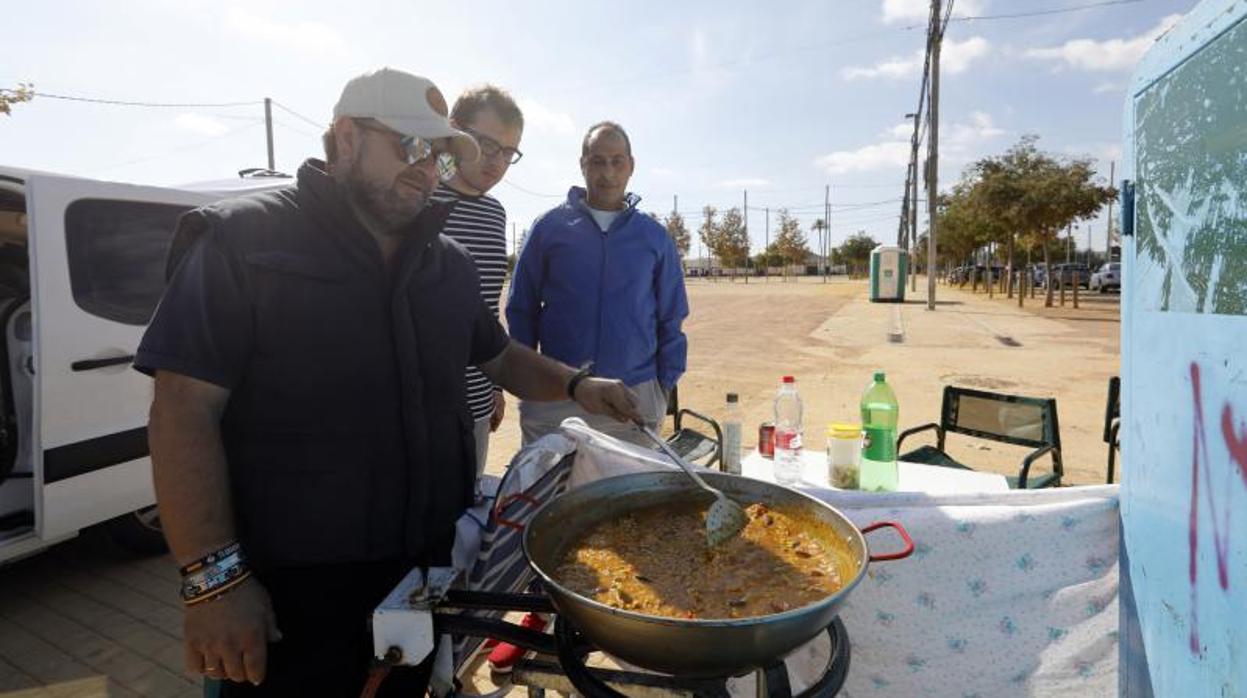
column 479, row 223
column 599, row 284
column 309, row 432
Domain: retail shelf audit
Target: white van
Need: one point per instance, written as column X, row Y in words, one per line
column 82, row 267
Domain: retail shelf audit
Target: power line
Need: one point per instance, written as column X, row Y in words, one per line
column 296, row 129
column 296, row 114
column 158, row 105
column 198, row 144
column 1041, row 13
column 530, row 192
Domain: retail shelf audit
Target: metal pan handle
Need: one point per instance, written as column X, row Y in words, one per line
column 899, row 555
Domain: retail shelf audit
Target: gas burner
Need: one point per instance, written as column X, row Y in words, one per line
column 476, row 616
column 573, row 649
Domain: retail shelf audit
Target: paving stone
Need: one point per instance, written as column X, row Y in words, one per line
column 12, row 678
column 90, row 648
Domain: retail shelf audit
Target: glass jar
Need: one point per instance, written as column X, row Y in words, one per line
column 844, row 455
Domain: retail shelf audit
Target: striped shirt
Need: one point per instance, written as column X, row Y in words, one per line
column 479, row 223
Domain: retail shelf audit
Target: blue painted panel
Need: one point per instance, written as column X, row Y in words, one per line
column 1184, row 355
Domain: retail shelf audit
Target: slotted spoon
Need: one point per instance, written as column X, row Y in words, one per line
column 725, row 519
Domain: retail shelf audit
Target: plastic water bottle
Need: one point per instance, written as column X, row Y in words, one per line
column 880, row 414
column 732, row 434
column 788, row 433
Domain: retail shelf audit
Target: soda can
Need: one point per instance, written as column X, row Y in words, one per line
column 766, row 440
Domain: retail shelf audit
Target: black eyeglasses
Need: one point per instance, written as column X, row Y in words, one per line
column 491, row 148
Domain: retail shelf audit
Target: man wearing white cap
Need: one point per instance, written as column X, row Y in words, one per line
column 309, row 433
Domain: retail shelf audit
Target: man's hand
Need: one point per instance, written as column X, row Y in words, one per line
column 609, row 397
column 227, row 638
column 500, row 410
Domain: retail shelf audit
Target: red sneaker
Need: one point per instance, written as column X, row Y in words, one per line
column 505, row 655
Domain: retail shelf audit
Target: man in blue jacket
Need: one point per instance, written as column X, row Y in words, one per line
column 599, row 283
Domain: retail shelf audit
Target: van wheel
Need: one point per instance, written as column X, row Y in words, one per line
column 139, row 531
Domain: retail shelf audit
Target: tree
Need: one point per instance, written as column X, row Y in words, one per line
column 769, row 257
column 820, row 227
column 24, row 93
column 855, row 251
column 1038, row 195
column 790, row 243
column 732, row 245
column 674, row 224
column 709, row 230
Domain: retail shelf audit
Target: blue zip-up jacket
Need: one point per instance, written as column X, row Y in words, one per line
column 615, row 298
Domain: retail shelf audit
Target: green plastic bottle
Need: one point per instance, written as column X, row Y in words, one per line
column 880, row 415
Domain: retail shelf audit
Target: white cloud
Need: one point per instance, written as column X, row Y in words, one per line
column 699, row 48
column 310, row 37
column 905, row 130
column 955, row 58
column 965, row 136
column 542, row 118
column 1109, row 87
column 200, row 125
column 1109, row 55
column 878, row 156
column 958, row 142
column 911, row 10
column 893, row 68
column 745, row 182
column 663, row 172
column 1103, row 153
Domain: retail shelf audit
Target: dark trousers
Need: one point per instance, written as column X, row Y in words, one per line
column 323, row 613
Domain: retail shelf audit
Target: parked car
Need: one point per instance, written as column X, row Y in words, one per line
column 1064, row 275
column 1106, row 278
column 82, row 267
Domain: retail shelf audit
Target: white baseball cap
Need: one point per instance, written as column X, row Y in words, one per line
column 410, row 104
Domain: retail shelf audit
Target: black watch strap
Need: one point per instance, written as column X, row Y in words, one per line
column 575, row 381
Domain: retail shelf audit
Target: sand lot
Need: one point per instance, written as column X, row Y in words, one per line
column 744, row 337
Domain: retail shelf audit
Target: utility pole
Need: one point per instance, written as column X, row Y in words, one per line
column 935, row 36
column 1069, row 238
column 766, row 251
column 913, row 223
column 902, row 228
column 1088, row 246
column 746, row 219
column 1108, row 232
column 268, row 131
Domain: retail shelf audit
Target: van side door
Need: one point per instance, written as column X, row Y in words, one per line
column 97, row 256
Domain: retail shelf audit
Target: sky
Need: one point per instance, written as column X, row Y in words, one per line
column 777, row 99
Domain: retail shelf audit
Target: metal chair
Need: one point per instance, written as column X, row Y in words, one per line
column 693, row 445
column 1112, row 424
column 1011, row 419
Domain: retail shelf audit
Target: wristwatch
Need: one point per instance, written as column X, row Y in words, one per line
column 580, row 375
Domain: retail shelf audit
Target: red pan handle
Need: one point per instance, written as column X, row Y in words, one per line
column 899, row 555
column 506, row 502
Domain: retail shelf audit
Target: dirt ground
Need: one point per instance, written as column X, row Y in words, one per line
column 744, row 337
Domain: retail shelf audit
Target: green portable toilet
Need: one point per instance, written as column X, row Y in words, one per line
column 888, row 267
